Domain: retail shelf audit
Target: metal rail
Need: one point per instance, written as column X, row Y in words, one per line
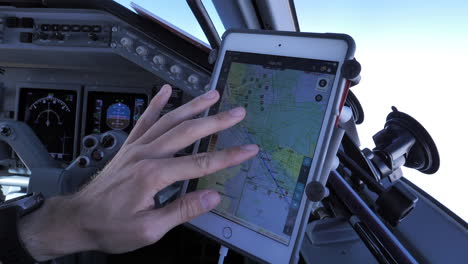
column 359, row 208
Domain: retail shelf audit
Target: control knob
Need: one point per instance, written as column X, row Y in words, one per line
column 126, row 42
column 89, row 142
column 193, row 79
column 159, row 60
column 142, row 51
column 97, row 155
column 83, row 162
column 176, row 69
column 108, row 141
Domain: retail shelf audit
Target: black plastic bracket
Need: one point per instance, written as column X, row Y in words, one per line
column 351, row 71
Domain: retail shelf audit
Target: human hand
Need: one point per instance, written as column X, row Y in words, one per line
column 115, row 212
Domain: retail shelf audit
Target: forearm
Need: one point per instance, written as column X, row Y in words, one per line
column 54, row 230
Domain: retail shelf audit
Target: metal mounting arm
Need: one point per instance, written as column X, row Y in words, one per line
column 205, row 22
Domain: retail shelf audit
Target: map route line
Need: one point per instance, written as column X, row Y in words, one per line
column 268, row 168
column 240, row 86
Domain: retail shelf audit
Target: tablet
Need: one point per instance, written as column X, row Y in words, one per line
column 291, row 86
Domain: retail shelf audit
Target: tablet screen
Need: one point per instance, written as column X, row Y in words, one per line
column 286, row 100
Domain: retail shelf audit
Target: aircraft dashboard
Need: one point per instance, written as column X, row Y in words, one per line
column 69, row 73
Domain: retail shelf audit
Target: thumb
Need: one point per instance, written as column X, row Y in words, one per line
column 188, row 207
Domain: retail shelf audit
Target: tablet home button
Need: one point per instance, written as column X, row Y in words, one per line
column 227, row 232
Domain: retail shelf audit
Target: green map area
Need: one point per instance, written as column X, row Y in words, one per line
column 284, row 118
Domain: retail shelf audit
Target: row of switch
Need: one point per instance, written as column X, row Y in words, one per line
column 27, row 22
column 158, row 60
column 27, row 37
column 72, row 28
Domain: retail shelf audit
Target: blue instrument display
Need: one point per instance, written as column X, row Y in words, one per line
column 113, row 111
column 118, row 116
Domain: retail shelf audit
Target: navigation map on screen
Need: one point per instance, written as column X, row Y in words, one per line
column 286, row 99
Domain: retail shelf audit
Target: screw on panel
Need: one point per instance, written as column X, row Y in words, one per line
column 115, row 29
column 82, row 162
column 113, row 45
column 5, row 131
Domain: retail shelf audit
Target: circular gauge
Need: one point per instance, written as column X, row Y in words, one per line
column 118, row 116
column 51, row 114
column 48, row 112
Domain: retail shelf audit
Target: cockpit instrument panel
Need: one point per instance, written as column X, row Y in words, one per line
column 113, row 111
column 67, row 67
column 52, row 114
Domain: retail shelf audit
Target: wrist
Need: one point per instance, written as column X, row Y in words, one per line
column 54, row 230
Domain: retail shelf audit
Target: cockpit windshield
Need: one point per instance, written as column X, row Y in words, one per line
column 178, row 14
column 413, row 55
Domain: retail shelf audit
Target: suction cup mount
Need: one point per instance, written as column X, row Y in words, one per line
column 404, row 141
column 353, row 102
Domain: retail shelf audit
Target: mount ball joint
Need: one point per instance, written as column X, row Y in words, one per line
column 404, row 142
